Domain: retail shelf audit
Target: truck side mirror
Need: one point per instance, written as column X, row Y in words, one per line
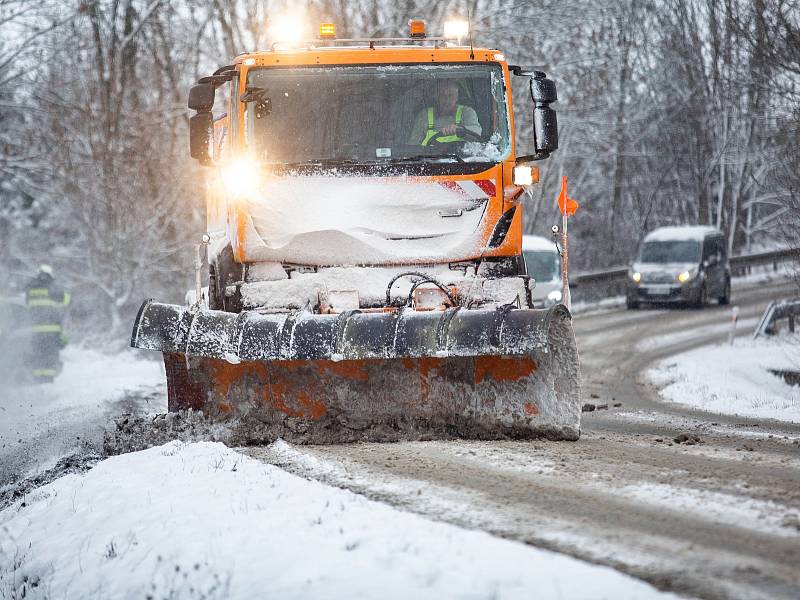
column 201, row 137
column 543, row 89
column 545, row 122
column 201, row 97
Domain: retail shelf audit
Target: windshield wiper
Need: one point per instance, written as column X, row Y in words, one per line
column 333, row 162
column 319, row 162
column 425, row 158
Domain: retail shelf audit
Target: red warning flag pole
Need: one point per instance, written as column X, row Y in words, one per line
column 567, row 206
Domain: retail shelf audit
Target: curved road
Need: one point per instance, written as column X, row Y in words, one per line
column 716, row 519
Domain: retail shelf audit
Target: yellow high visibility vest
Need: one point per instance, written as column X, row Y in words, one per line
column 431, row 133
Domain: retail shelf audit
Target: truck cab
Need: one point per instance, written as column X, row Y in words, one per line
column 337, row 153
column 686, row 265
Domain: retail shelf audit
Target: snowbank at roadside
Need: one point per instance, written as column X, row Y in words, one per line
column 88, row 381
column 40, row 424
column 734, row 379
column 202, row 521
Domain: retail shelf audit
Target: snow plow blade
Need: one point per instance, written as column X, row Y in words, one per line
column 358, row 376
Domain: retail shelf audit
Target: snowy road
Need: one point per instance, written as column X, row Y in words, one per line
column 715, row 519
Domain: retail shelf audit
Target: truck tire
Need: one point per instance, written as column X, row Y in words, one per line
column 224, row 272
column 214, row 295
column 631, row 303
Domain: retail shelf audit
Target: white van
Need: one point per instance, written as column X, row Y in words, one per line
column 681, row 264
column 543, row 264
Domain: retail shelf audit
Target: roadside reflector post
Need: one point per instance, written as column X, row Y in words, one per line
column 734, row 319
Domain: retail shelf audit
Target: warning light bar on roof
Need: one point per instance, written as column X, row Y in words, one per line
column 327, row 31
column 416, row 28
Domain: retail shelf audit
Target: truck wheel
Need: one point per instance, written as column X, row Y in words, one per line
column 631, row 303
column 224, row 272
column 725, row 299
column 214, row 295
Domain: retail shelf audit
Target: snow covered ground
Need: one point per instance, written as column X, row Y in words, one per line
column 203, row 521
column 734, row 379
column 40, row 424
column 686, row 335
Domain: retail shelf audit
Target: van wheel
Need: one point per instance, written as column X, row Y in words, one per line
column 702, row 297
column 726, row 295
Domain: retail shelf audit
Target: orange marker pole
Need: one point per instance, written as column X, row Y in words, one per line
column 566, row 300
column 568, row 206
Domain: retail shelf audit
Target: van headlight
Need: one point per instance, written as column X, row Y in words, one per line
column 685, row 276
column 554, row 296
column 636, row 276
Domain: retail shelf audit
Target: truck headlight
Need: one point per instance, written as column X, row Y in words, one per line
column 554, row 296
column 636, row 276
column 685, row 276
column 241, row 177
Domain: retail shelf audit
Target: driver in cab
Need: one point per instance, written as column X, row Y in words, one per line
column 447, row 121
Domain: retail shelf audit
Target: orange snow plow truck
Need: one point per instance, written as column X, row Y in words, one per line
column 365, row 269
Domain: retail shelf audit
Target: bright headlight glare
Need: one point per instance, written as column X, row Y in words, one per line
column 456, row 29
column 685, row 276
column 637, row 277
column 288, row 28
column 555, row 296
column 241, row 177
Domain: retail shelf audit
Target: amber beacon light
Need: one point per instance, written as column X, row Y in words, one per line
column 416, row 28
column 327, row 31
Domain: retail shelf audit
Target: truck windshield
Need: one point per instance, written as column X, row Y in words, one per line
column 542, row 265
column 380, row 114
column 670, row 252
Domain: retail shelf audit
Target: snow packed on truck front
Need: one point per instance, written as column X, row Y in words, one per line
column 334, row 172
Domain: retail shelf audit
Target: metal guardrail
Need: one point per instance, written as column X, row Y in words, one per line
column 742, row 264
column 613, row 280
column 591, row 277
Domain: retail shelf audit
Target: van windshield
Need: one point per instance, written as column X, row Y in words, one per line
column 542, row 265
column 377, row 114
column 672, row 251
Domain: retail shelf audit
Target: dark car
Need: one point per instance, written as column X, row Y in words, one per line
column 681, row 264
